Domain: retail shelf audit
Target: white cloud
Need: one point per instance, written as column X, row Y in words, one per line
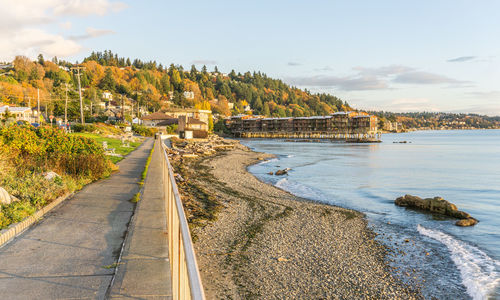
column 87, row 7
column 21, row 24
column 424, row 78
column 461, row 59
column 380, row 78
column 91, row 33
column 413, row 104
column 30, row 42
column 360, row 83
column 385, row 70
column 65, row 25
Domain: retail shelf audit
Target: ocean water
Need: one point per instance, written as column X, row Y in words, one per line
column 425, row 250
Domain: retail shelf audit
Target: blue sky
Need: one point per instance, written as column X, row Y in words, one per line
column 384, row 55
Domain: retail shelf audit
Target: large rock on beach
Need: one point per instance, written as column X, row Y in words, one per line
column 437, row 205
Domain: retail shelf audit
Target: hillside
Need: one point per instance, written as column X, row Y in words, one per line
column 433, row 120
column 152, row 86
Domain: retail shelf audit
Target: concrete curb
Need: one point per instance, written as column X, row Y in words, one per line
column 7, row 235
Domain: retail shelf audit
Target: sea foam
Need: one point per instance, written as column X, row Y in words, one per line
column 300, row 190
column 267, row 161
column 480, row 273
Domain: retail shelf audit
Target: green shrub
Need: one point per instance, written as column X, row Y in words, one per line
column 50, row 148
column 17, row 211
column 143, row 130
column 84, row 128
column 172, row 129
column 77, row 128
column 26, row 152
column 220, row 126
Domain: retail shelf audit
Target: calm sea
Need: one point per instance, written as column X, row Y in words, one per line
column 463, row 167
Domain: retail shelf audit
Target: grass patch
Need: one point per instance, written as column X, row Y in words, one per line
column 136, row 198
column 146, row 167
column 112, row 143
column 111, row 266
column 348, row 214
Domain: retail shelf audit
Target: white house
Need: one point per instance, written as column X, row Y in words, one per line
column 18, row 113
column 107, row 95
column 189, row 95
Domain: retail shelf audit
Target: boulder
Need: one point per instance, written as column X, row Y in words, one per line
column 466, row 222
column 282, row 172
column 436, row 205
column 5, row 197
column 50, row 175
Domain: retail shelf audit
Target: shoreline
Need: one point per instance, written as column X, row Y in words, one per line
column 263, row 242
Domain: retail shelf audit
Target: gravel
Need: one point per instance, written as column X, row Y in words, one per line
column 269, row 244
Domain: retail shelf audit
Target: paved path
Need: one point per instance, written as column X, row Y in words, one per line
column 144, row 270
column 68, row 254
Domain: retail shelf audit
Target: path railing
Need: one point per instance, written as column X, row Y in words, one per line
column 186, row 281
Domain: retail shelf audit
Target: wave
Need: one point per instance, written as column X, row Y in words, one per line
column 480, row 273
column 300, row 190
column 267, row 161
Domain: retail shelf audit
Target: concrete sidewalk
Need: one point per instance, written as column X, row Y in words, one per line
column 71, row 252
column 144, row 270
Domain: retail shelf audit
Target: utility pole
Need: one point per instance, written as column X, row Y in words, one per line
column 38, row 100
column 80, row 93
column 66, row 106
column 123, row 111
column 95, row 95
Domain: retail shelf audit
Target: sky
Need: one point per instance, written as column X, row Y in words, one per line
column 388, row 55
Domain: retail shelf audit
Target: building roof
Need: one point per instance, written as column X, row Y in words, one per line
column 13, row 109
column 157, row 116
column 193, row 121
column 168, row 122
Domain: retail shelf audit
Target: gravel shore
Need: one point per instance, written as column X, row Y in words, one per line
column 265, row 243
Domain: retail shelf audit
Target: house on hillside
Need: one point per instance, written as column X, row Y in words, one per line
column 18, row 113
column 113, row 114
column 159, row 119
column 192, row 128
column 188, row 95
column 107, row 95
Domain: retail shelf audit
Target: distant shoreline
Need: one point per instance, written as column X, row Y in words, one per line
column 434, row 129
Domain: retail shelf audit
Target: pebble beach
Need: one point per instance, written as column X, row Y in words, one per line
column 266, row 243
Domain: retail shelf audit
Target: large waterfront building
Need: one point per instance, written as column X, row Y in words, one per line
column 358, row 125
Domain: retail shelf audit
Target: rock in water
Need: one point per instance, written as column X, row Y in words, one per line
column 466, row 222
column 437, row 205
column 282, row 172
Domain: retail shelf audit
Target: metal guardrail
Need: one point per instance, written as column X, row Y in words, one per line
column 186, row 281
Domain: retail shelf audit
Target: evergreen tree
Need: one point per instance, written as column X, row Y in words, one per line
column 41, row 60
column 265, row 110
column 108, row 82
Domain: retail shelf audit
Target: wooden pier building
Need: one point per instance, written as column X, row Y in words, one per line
column 348, row 126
